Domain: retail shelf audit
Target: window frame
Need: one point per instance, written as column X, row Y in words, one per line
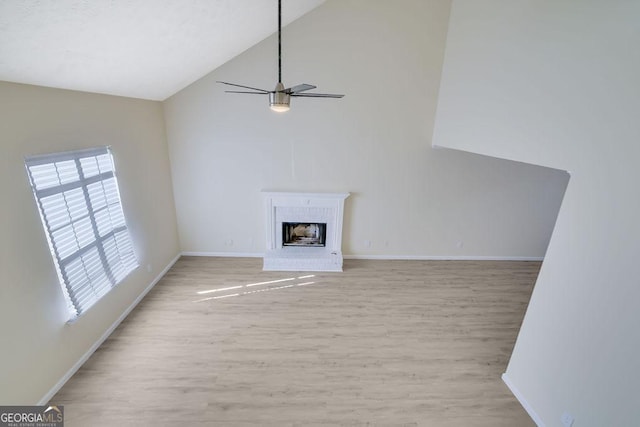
column 91, row 245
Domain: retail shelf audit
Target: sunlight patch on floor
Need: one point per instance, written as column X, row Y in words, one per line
column 250, row 285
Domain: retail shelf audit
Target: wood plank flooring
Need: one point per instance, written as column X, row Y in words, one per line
column 386, row 343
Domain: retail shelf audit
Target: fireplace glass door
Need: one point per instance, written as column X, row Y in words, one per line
column 304, row 234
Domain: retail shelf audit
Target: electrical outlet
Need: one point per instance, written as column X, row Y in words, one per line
column 567, row 419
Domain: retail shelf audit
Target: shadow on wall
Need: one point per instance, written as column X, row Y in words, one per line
column 464, row 206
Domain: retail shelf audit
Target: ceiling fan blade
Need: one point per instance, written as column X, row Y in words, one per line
column 246, row 87
column 299, row 88
column 241, row 91
column 317, row 95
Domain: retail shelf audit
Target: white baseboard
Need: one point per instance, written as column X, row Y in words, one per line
column 382, row 257
column 45, row 399
column 224, row 254
column 445, row 257
column 527, row 407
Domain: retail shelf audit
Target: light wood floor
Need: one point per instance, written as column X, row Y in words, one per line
column 385, row 343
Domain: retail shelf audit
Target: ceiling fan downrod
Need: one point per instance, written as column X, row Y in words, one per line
column 279, row 99
column 279, row 41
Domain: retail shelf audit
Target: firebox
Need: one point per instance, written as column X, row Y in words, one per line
column 304, row 234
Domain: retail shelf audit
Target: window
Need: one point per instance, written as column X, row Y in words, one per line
column 77, row 194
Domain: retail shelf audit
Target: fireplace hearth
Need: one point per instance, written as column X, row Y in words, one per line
column 304, row 231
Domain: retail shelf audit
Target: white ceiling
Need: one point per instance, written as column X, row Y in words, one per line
column 146, row 49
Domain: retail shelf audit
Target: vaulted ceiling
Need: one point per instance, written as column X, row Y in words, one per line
column 146, row 49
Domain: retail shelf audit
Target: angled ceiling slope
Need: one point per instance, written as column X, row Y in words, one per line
column 147, row 49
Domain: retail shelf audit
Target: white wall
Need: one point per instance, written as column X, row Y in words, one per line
column 407, row 199
column 555, row 83
column 37, row 346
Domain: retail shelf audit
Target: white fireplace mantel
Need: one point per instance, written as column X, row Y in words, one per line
column 327, row 208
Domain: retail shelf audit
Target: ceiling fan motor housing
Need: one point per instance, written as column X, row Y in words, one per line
column 279, row 99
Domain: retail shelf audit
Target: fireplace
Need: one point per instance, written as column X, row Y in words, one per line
column 306, row 235
column 304, row 231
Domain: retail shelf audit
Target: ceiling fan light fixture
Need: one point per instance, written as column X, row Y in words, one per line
column 279, row 99
column 280, row 108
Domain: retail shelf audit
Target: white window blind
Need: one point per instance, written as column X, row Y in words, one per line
column 77, row 194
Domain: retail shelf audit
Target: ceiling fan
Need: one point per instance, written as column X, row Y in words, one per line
column 279, row 98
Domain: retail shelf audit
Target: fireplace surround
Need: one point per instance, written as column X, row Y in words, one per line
column 304, row 231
